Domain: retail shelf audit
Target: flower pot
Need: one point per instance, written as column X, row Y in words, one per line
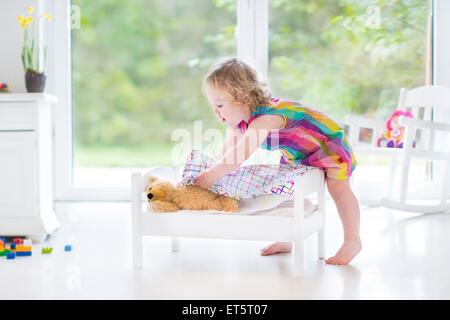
column 35, row 82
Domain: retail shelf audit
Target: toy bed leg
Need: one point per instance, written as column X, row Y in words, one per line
column 175, row 245
column 136, row 209
column 321, row 233
column 299, row 215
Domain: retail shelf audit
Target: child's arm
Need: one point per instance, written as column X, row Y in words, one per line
column 257, row 132
column 233, row 137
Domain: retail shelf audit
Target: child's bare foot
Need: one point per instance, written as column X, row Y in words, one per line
column 346, row 253
column 276, row 247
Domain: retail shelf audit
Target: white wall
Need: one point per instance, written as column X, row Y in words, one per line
column 11, row 41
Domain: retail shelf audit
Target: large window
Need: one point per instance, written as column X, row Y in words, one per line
column 137, row 72
column 138, row 65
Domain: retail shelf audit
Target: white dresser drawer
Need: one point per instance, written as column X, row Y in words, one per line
column 17, row 115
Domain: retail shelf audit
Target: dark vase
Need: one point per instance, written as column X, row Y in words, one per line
column 35, row 82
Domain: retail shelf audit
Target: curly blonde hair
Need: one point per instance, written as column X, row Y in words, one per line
column 241, row 81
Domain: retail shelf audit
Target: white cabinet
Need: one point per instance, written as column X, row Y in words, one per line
column 18, row 196
column 26, row 170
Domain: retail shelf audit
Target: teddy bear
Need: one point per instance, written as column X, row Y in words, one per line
column 163, row 196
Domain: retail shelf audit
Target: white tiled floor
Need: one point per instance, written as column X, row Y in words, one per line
column 405, row 256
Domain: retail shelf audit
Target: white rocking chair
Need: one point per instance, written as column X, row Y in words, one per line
column 420, row 102
column 434, row 145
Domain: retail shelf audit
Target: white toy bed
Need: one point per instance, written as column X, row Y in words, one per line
column 265, row 218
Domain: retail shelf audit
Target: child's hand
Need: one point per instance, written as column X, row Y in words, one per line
column 206, row 179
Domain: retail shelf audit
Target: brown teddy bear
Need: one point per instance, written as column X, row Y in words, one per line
column 165, row 197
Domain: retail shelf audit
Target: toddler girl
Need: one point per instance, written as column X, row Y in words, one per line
column 303, row 135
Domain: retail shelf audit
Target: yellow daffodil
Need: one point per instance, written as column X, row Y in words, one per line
column 28, row 53
column 23, row 22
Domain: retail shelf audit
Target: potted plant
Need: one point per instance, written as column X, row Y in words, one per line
column 33, row 63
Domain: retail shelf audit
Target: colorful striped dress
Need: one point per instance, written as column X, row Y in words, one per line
column 307, row 137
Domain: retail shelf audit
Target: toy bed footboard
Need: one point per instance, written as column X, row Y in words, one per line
column 198, row 224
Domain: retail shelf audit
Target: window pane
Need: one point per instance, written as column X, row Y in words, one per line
column 347, row 55
column 137, row 72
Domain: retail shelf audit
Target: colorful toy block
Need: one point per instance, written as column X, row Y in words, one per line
column 47, row 250
column 23, row 253
column 15, row 249
column 18, row 240
column 68, row 247
column 22, row 248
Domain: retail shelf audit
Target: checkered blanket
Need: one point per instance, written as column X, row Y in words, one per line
column 246, row 181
